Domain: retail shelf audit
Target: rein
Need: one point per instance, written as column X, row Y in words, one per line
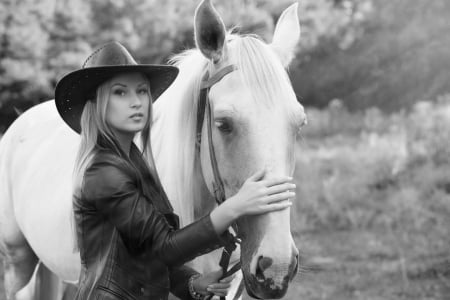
column 204, row 106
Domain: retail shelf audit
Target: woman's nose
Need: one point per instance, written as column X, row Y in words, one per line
column 136, row 101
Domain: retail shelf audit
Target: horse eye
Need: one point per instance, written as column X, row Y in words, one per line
column 224, row 126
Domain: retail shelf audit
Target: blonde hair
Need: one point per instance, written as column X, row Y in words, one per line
column 94, row 126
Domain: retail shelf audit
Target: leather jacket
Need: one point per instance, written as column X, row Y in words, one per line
column 130, row 243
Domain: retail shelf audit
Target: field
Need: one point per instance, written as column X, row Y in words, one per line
column 372, row 217
column 373, row 211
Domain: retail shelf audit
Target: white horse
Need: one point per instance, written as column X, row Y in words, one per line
column 256, row 119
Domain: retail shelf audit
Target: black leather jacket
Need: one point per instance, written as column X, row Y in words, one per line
column 127, row 234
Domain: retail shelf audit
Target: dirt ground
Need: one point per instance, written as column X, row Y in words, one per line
column 365, row 265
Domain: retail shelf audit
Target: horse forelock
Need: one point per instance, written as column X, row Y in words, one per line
column 260, row 71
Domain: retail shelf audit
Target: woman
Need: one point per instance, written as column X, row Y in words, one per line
column 129, row 239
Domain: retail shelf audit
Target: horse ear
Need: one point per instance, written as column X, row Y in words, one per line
column 287, row 34
column 209, row 31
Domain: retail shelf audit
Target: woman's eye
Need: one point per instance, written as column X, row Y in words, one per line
column 224, row 126
column 143, row 91
column 119, row 92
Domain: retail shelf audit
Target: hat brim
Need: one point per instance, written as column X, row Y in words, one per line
column 73, row 89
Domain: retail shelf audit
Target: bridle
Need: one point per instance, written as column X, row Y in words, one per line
column 204, row 106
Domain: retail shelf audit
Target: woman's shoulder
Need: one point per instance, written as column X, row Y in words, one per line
column 107, row 165
column 108, row 158
column 107, row 174
column 103, row 155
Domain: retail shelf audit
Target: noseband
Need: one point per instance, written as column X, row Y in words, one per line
column 204, row 106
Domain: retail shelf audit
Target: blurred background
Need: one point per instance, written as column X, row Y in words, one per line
column 372, row 217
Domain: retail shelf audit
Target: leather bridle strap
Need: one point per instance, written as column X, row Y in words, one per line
column 209, row 82
column 204, row 106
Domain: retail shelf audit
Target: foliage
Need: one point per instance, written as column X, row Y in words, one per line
column 368, row 53
column 368, row 168
column 399, row 54
column 372, row 212
column 40, row 41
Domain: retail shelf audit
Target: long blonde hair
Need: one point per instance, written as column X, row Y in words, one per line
column 94, row 126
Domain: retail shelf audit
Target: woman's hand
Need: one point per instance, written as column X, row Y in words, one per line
column 209, row 284
column 258, row 196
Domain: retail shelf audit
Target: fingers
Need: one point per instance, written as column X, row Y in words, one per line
column 215, row 275
column 258, row 175
column 219, row 286
column 219, row 293
column 219, row 289
column 228, row 279
column 277, row 206
column 277, row 181
column 274, row 189
column 286, row 195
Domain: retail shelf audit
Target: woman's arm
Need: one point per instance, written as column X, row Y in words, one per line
column 185, row 281
column 142, row 227
column 179, row 281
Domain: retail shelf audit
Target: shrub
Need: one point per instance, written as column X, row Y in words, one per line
column 364, row 169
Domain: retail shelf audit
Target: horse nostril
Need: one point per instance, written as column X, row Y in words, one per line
column 296, row 262
column 263, row 264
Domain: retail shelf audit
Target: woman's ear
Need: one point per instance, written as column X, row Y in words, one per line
column 209, row 31
column 287, row 34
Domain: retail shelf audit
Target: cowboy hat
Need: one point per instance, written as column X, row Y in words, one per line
column 74, row 89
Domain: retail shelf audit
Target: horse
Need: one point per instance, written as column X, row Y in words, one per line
column 255, row 121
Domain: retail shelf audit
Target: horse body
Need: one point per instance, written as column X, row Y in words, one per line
column 36, row 188
column 255, row 122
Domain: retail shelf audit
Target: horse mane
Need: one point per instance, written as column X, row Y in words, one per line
column 175, row 114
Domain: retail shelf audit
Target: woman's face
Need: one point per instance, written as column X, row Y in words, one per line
column 127, row 110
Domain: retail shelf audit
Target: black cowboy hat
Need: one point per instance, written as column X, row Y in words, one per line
column 74, row 89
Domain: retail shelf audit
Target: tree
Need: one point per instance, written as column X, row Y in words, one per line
column 400, row 56
column 22, row 55
column 40, row 41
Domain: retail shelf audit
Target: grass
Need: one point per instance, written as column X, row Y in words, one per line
column 372, row 217
column 373, row 211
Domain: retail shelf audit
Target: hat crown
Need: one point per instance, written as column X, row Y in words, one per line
column 111, row 54
column 75, row 88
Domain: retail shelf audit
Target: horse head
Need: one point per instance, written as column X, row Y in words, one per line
column 255, row 120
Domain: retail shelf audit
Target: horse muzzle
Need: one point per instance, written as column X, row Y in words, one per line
column 270, row 280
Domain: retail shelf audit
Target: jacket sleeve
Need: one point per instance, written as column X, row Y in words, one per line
column 179, row 278
column 117, row 198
